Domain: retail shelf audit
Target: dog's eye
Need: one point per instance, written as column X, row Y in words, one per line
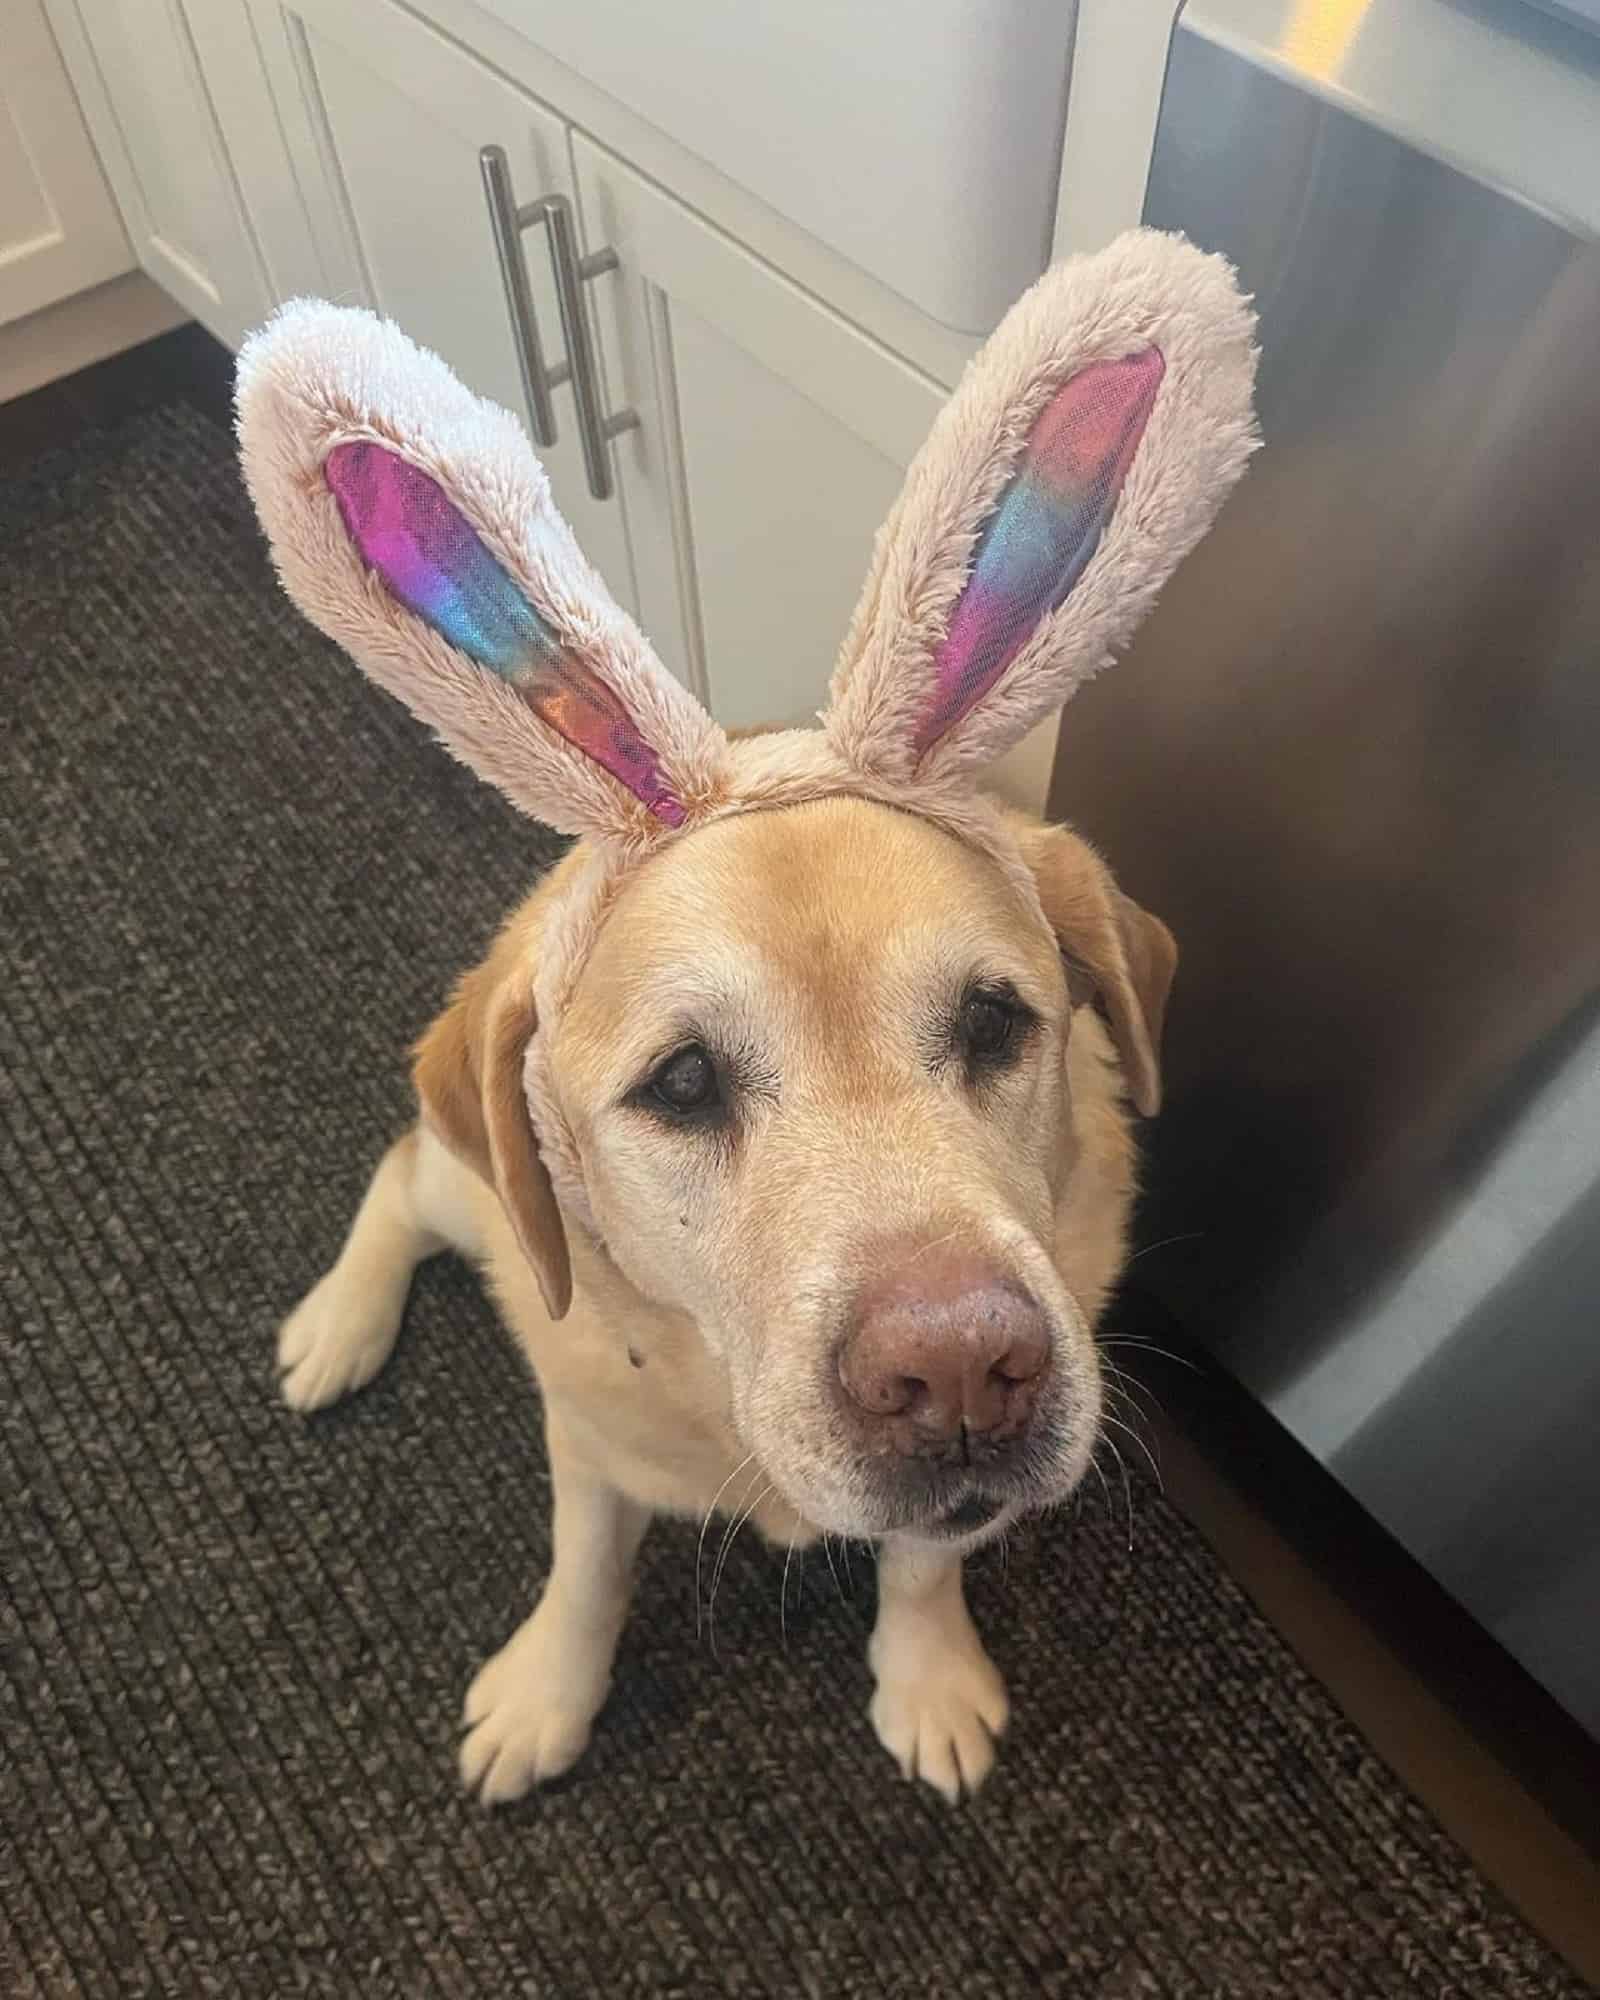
column 992, row 1027
column 686, row 1082
column 987, row 1024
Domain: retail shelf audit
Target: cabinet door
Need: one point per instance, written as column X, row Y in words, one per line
column 59, row 231
column 385, row 119
column 142, row 90
column 773, row 438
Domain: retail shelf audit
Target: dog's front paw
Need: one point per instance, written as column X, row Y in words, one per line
column 529, row 1712
column 938, row 1710
column 336, row 1340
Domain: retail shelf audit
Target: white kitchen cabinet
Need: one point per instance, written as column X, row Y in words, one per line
column 146, row 98
column 59, row 229
column 263, row 148
column 387, row 120
column 771, row 433
column 774, row 438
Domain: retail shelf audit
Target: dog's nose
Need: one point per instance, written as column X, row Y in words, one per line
column 945, row 1346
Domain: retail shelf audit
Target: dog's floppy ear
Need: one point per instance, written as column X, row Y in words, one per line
column 1115, row 953
column 1088, row 447
column 412, row 523
column 468, row 1072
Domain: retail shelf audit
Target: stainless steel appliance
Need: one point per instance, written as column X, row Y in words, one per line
column 1355, row 761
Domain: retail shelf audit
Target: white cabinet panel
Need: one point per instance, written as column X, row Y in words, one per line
column 59, row 229
column 142, row 89
column 784, row 501
column 774, row 437
column 921, row 139
column 386, row 120
column 281, row 227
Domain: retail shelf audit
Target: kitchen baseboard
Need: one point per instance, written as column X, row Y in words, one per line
column 63, row 338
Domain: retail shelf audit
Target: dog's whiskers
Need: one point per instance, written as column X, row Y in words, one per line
column 783, row 1589
column 827, row 1550
column 1129, row 1431
column 1100, row 1474
column 1129, row 1385
column 1127, row 1488
column 1133, row 1417
column 700, row 1546
column 1124, row 1387
column 1166, row 1243
column 1150, row 1347
column 740, row 1515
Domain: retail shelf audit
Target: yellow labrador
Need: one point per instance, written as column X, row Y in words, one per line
column 862, row 1179
column 785, row 1119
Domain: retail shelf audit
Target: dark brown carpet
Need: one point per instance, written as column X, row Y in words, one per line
column 233, row 883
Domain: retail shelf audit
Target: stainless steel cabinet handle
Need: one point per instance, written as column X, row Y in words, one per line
column 595, row 427
column 572, row 272
column 508, row 222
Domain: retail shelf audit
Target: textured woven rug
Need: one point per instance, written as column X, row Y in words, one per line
column 233, row 1644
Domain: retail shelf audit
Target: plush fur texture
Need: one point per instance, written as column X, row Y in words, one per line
column 319, row 376
column 1145, row 290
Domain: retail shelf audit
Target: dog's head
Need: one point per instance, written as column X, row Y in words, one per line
column 833, row 1083
column 816, row 1067
column 796, row 1038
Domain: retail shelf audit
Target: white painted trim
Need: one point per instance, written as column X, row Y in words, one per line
column 53, row 179
column 82, row 330
column 1119, row 64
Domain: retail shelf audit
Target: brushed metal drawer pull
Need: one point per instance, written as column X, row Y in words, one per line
column 507, row 221
column 596, row 427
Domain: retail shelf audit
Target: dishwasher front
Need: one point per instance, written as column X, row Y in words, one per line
column 1354, row 760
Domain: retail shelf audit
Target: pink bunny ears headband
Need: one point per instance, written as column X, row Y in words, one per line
column 1087, row 449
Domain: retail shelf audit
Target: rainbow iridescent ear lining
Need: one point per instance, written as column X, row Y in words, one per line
column 411, row 536
column 1041, row 535
column 1087, row 448
column 413, row 524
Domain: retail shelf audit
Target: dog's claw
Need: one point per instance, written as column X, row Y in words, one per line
column 335, row 1341
column 940, row 1723
column 528, row 1714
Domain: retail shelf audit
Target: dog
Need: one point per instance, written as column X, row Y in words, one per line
column 788, row 1119
column 862, row 1186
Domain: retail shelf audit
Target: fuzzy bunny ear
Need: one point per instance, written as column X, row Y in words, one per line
column 411, row 522
column 1088, row 448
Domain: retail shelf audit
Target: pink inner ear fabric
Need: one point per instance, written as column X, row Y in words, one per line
column 411, row 535
column 1047, row 524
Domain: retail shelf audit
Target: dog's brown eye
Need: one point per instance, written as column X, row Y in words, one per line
column 992, row 1029
column 987, row 1024
column 686, row 1082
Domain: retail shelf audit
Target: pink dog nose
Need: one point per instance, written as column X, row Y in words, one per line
column 945, row 1345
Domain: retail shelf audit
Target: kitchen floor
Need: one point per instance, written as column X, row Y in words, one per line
column 1514, row 1780
column 172, row 1120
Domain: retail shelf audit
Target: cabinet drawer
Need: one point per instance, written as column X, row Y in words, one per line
column 922, row 143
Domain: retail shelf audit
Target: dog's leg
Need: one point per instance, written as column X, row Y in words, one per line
column 529, row 1712
column 341, row 1333
column 940, row 1701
